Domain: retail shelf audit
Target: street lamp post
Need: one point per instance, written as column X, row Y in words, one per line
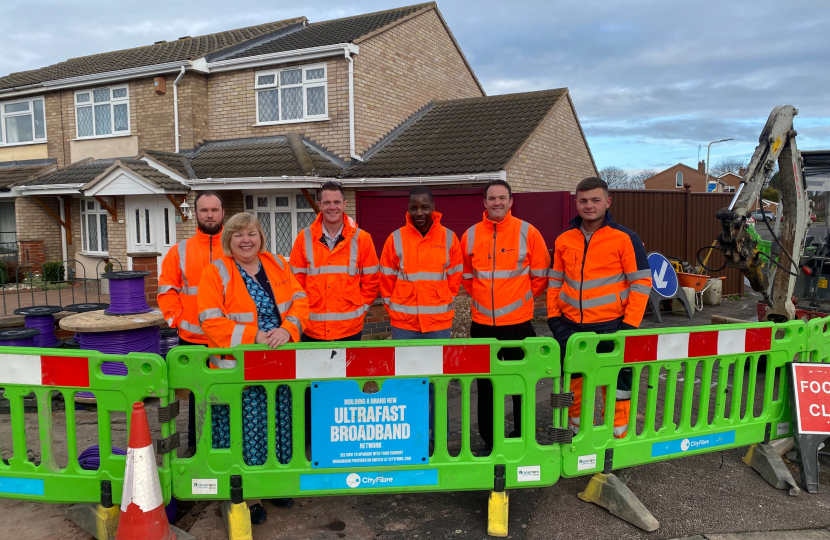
column 708, row 148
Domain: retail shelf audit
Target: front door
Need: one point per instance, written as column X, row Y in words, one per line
column 151, row 224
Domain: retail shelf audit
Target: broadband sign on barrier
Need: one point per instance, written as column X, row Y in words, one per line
column 812, row 398
column 350, row 428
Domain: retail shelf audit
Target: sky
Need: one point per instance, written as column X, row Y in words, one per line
column 652, row 80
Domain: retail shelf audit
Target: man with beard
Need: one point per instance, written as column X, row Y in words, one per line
column 179, row 281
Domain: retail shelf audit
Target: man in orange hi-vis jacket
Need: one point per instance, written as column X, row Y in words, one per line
column 505, row 267
column 600, row 282
column 181, row 271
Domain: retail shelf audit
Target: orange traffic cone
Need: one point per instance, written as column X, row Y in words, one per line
column 142, row 505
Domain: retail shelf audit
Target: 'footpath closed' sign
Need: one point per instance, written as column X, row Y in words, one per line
column 812, row 397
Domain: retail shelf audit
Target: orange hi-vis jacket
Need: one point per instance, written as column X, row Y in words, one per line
column 505, row 268
column 598, row 282
column 228, row 313
column 420, row 276
column 181, row 271
column 341, row 283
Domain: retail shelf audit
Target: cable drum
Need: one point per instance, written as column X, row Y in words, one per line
column 18, row 337
column 169, row 338
column 127, row 292
column 43, row 319
column 83, row 308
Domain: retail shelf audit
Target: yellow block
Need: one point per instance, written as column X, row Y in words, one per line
column 237, row 520
column 106, row 521
column 497, row 509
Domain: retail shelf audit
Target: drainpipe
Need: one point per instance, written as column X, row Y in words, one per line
column 352, row 152
column 176, row 105
column 62, row 211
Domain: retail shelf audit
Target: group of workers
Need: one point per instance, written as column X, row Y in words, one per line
column 222, row 288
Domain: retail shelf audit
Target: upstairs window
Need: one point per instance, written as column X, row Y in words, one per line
column 22, row 122
column 297, row 94
column 679, row 179
column 102, row 112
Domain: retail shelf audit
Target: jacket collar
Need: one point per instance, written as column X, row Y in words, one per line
column 204, row 238
column 436, row 222
column 498, row 225
column 576, row 222
column 349, row 227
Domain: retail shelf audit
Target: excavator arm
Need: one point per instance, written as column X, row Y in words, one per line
column 776, row 144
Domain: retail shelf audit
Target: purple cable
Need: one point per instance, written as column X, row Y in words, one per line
column 24, row 342
column 127, row 297
column 142, row 340
column 46, row 325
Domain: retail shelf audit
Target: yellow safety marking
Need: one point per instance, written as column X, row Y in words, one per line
column 497, row 510
column 822, row 283
column 776, row 145
column 594, row 488
column 106, row 522
column 237, row 521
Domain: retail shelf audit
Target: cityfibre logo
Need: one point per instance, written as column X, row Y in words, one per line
column 686, row 444
column 354, row 480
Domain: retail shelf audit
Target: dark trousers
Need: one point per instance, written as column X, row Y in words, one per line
column 563, row 330
column 191, row 410
column 485, row 386
column 308, row 339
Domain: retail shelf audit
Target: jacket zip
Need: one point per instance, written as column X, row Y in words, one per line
column 493, row 275
column 582, row 273
column 210, row 243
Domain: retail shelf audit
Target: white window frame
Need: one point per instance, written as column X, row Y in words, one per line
column 30, row 112
column 678, row 179
column 305, row 85
column 98, row 210
column 112, row 103
column 271, row 208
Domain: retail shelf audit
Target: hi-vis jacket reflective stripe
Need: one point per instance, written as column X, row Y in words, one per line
column 228, row 314
column 181, row 271
column 341, row 283
column 601, row 280
column 420, row 276
column 505, row 268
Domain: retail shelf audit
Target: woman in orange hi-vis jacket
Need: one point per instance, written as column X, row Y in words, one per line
column 600, row 282
column 250, row 296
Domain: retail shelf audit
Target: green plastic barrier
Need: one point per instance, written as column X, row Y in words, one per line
column 286, row 472
column 819, row 340
column 26, row 370
column 688, row 392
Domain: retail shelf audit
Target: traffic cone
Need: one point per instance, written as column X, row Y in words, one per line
column 142, row 505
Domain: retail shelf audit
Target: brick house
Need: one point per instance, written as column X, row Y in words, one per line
column 677, row 175
column 98, row 153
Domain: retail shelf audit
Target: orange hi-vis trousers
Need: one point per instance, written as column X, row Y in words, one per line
column 622, row 409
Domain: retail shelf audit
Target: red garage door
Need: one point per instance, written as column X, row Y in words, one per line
column 380, row 213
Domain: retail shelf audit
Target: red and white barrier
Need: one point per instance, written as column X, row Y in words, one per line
column 696, row 344
column 37, row 370
column 367, row 362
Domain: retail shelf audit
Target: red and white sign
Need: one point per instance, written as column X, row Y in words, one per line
column 812, row 398
column 38, row 370
column 696, row 344
column 366, row 362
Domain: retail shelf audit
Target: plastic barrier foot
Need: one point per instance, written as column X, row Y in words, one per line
column 237, row 520
column 497, row 513
column 607, row 491
column 98, row 521
column 766, row 462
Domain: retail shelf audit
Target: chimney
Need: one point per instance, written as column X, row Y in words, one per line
column 742, row 172
column 701, row 166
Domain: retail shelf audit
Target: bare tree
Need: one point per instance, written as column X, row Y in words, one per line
column 638, row 180
column 730, row 164
column 616, row 177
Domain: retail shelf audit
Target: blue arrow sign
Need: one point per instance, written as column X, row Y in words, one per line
column 663, row 278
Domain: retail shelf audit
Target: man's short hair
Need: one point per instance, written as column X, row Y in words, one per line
column 208, row 194
column 498, row 183
column 591, row 183
column 331, row 185
column 421, row 190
